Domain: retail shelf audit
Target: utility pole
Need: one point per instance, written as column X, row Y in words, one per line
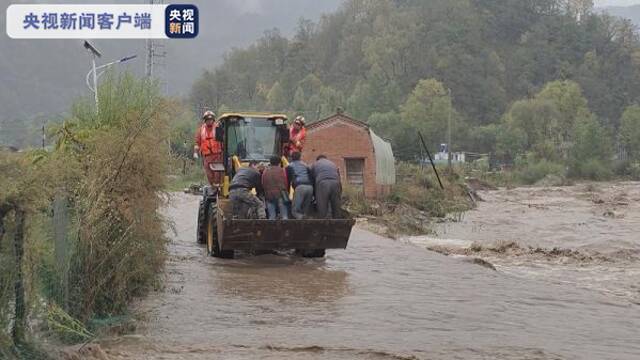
column 449, row 147
column 149, row 63
column 156, row 63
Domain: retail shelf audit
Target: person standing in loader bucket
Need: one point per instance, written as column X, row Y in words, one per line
column 245, row 204
column 276, row 190
column 210, row 149
column 299, row 176
column 328, row 188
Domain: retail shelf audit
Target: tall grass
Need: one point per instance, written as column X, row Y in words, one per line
column 111, row 166
column 120, row 243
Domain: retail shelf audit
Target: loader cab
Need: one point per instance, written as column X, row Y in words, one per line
column 250, row 136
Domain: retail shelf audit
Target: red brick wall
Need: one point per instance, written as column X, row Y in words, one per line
column 340, row 140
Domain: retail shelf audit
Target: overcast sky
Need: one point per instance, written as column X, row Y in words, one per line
column 616, row 2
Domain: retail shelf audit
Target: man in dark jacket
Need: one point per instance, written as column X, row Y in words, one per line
column 328, row 187
column 276, row 190
column 301, row 179
column 245, row 204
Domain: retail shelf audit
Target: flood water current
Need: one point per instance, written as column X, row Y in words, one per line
column 392, row 299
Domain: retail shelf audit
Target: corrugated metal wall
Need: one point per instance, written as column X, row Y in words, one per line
column 385, row 162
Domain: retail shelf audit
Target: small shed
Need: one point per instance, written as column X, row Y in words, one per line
column 365, row 160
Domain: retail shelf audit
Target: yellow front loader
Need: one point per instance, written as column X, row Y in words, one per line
column 256, row 137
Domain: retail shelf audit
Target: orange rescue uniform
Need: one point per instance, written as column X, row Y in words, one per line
column 296, row 139
column 211, row 152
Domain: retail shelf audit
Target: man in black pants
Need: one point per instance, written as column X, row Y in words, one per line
column 328, row 187
column 246, row 205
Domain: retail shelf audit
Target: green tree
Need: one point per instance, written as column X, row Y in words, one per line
column 311, row 85
column 325, row 102
column 374, row 94
column 483, row 139
column 427, row 110
column 299, row 102
column 630, row 131
column 591, row 152
column 276, row 98
column 403, row 138
column 511, row 141
column 536, row 122
column 568, row 100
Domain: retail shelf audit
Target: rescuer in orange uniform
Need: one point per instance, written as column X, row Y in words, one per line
column 297, row 135
column 207, row 146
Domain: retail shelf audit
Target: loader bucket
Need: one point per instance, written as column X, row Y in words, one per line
column 241, row 234
column 252, row 234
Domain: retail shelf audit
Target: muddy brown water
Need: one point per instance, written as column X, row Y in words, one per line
column 586, row 235
column 378, row 299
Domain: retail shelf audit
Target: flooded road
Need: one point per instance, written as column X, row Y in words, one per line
column 379, row 299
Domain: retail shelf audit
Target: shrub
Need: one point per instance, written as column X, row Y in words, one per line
column 110, row 168
column 592, row 169
column 120, row 242
column 531, row 171
column 634, row 170
column 414, row 199
column 418, row 187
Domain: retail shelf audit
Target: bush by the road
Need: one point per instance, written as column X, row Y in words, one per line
column 119, row 247
column 94, row 237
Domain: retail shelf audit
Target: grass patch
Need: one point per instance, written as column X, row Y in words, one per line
column 414, row 202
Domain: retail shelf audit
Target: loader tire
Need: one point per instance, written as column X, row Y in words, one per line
column 202, row 224
column 211, row 231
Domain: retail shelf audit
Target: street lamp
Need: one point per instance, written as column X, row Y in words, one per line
column 94, row 54
column 94, row 70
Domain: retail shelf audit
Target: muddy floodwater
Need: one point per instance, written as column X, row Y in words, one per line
column 394, row 299
column 586, row 235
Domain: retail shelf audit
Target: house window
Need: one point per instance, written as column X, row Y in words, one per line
column 355, row 173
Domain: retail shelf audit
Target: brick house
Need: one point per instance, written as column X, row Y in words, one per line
column 365, row 160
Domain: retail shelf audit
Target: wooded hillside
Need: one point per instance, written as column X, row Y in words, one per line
column 392, row 63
